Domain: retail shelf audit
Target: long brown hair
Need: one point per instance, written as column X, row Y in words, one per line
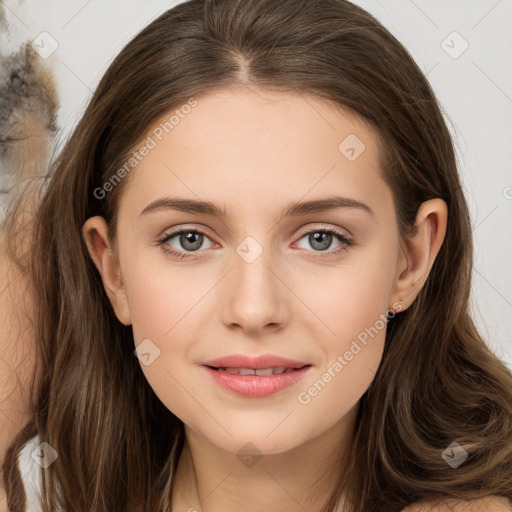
column 438, row 382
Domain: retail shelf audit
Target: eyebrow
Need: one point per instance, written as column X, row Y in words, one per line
column 292, row 210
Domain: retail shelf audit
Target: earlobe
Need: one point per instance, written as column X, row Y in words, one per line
column 95, row 234
column 420, row 250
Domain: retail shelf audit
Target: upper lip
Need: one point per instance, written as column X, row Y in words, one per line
column 256, row 363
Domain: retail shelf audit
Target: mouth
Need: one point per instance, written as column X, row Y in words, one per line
column 269, row 363
column 260, row 372
column 255, row 378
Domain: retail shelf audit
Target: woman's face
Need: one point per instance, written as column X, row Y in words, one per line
column 265, row 278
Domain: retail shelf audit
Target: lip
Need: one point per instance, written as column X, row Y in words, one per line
column 255, row 386
column 257, row 363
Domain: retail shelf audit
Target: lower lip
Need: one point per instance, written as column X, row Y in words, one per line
column 256, row 386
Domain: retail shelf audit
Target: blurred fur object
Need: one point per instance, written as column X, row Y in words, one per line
column 28, row 106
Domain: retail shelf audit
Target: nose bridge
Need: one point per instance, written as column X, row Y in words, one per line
column 255, row 296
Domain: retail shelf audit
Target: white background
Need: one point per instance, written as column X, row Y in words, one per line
column 475, row 90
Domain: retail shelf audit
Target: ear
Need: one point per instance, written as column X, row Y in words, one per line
column 419, row 252
column 95, row 234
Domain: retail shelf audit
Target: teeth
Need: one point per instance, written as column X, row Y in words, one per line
column 268, row 371
column 251, row 371
column 244, row 371
column 238, row 371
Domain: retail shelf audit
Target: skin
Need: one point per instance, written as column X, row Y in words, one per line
column 254, row 153
column 17, row 360
column 17, row 342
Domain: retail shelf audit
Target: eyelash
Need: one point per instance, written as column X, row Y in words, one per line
column 346, row 242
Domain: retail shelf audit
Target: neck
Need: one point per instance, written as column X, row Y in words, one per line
column 209, row 479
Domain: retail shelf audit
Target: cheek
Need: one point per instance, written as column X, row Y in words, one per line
column 352, row 356
column 162, row 300
column 170, row 308
column 337, row 388
column 352, row 303
column 163, row 310
column 353, row 298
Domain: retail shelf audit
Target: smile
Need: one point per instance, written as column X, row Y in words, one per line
column 256, row 383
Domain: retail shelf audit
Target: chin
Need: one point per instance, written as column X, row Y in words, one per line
column 263, row 439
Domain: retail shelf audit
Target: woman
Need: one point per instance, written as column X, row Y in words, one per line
column 311, row 348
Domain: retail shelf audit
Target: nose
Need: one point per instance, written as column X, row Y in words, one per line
column 255, row 295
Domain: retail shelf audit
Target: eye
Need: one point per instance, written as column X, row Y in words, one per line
column 321, row 240
column 191, row 240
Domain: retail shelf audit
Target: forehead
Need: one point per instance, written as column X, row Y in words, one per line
column 248, row 148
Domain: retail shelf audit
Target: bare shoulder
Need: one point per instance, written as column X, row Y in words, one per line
column 490, row 504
